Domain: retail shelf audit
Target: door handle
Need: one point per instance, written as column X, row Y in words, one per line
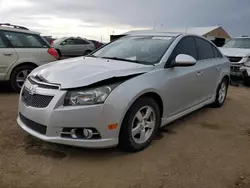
column 218, row 68
column 199, row 73
column 7, row 54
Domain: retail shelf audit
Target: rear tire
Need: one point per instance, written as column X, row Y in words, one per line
column 247, row 81
column 18, row 76
column 136, row 135
column 221, row 93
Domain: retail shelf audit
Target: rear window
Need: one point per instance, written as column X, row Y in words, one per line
column 25, row 40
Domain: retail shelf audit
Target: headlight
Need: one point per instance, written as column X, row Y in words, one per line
column 247, row 63
column 89, row 96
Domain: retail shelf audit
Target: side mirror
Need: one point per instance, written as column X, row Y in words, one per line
column 183, row 60
column 63, row 43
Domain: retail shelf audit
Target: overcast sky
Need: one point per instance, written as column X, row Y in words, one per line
column 99, row 18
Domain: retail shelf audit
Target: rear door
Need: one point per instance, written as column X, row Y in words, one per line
column 29, row 47
column 209, row 63
column 81, row 46
column 8, row 56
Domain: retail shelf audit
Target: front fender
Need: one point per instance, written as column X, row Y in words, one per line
column 122, row 98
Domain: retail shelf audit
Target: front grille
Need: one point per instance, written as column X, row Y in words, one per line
column 235, row 68
column 45, row 86
column 33, row 125
column 234, row 59
column 35, row 100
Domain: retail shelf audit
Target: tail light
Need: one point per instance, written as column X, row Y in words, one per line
column 53, row 52
column 97, row 44
column 51, row 43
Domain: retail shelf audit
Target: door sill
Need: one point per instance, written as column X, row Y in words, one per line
column 170, row 119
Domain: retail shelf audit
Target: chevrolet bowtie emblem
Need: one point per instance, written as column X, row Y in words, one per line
column 32, row 89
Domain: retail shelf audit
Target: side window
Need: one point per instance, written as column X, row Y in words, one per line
column 217, row 54
column 24, row 40
column 205, row 50
column 80, row 42
column 69, row 42
column 2, row 45
column 185, row 46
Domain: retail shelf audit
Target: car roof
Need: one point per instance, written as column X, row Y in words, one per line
column 241, row 38
column 18, row 30
column 154, row 32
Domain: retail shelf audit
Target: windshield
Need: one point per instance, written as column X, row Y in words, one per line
column 238, row 43
column 58, row 41
column 137, row 49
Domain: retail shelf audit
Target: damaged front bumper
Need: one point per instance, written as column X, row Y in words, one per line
column 240, row 70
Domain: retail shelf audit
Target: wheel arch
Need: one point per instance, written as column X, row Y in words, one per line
column 59, row 51
column 227, row 78
column 19, row 65
column 152, row 94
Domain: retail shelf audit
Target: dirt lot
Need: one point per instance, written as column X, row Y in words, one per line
column 209, row 148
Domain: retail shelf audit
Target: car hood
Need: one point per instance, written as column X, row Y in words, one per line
column 84, row 71
column 235, row 52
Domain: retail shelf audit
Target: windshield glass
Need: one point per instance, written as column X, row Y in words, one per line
column 59, row 41
column 138, row 49
column 238, row 43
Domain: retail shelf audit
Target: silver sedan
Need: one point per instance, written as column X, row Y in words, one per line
column 124, row 92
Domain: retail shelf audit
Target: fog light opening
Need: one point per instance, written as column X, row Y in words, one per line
column 73, row 133
column 88, row 133
column 80, row 133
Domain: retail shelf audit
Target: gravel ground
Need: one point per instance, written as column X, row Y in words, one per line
column 209, row 148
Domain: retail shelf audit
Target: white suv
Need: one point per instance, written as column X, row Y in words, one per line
column 22, row 50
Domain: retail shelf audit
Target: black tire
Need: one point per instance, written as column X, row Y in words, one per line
column 87, row 52
column 126, row 141
column 247, row 81
column 218, row 103
column 15, row 86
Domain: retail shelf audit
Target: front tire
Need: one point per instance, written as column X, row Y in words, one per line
column 221, row 93
column 19, row 75
column 140, row 125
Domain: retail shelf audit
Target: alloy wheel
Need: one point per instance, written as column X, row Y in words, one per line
column 143, row 124
column 222, row 92
column 21, row 77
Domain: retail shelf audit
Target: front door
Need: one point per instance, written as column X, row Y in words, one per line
column 182, row 85
column 68, row 48
column 182, row 89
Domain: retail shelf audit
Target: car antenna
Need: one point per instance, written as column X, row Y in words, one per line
column 186, row 30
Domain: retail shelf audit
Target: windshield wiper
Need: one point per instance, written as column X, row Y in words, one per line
column 90, row 55
column 123, row 59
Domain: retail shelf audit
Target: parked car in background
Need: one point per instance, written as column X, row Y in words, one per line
column 123, row 92
column 72, row 47
column 21, row 50
column 96, row 43
column 238, row 52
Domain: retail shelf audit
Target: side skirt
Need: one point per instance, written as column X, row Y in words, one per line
column 165, row 121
